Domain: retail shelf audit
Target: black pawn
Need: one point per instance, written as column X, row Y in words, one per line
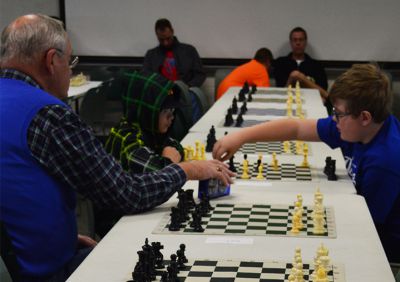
column 234, row 106
column 246, row 88
column 175, row 223
column 250, row 97
column 197, row 221
column 243, row 108
column 239, row 120
column 189, row 198
column 232, row 164
column 182, row 248
column 242, row 96
column 253, row 89
column 228, row 118
column 327, row 162
column 164, row 277
column 332, row 171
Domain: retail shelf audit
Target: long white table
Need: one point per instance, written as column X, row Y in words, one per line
column 77, row 91
column 357, row 245
column 311, row 104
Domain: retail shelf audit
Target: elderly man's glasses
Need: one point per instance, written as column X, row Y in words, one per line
column 72, row 62
column 339, row 115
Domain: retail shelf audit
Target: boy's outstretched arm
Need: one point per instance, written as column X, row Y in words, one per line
column 277, row 130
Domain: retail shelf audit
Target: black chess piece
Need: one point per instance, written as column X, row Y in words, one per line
column 258, row 164
column 173, row 263
column 206, row 202
column 327, row 162
column 250, row 97
column 242, row 96
column 246, row 88
column 331, row 172
column 140, row 272
column 232, row 164
column 253, row 89
column 182, row 248
column 228, row 118
column 212, row 130
column 239, row 120
column 164, row 277
column 175, row 223
column 183, row 205
column 159, row 257
column 243, row 108
column 234, row 106
column 189, row 198
column 196, row 223
column 211, row 139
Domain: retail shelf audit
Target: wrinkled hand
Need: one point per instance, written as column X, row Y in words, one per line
column 227, row 146
column 202, row 170
column 172, row 154
column 86, row 241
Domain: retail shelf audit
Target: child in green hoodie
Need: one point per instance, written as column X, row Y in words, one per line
column 141, row 141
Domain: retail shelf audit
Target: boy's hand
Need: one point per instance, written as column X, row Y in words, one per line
column 227, row 146
column 172, row 154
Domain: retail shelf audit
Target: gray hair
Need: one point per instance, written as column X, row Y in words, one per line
column 29, row 39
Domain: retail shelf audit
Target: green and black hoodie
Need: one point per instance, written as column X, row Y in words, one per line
column 136, row 142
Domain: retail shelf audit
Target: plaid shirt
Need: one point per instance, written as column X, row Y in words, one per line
column 67, row 149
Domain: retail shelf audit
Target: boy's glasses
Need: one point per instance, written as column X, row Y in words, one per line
column 339, row 115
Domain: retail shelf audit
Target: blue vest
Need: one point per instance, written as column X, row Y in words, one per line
column 37, row 210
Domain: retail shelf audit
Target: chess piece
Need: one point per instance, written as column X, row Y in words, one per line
column 202, row 152
column 189, row 198
column 295, row 223
column 260, row 172
column 159, row 257
column 228, row 118
column 239, row 120
column 286, row 147
column 232, row 164
column 243, row 108
column 182, row 247
column 175, row 222
column 242, row 96
column 245, row 168
column 250, row 97
column 253, row 89
column 246, row 88
column 234, row 106
column 259, row 161
column 274, row 162
column 211, row 139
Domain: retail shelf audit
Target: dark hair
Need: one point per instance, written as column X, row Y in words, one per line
column 263, row 55
column 298, row 29
column 162, row 24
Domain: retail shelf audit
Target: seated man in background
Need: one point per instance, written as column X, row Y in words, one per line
column 47, row 154
column 299, row 66
column 368, row 136
column 175, row 61
column 254, row 72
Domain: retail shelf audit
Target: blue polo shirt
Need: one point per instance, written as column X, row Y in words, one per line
column 374, row 169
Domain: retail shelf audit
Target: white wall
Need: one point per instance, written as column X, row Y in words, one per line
column 338, row 30
column 11, row 9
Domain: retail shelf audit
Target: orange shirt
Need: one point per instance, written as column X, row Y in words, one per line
column 253, row 72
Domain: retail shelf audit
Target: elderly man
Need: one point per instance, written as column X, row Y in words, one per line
column 48, row 153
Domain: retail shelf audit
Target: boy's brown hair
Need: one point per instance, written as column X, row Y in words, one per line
column 364, row 87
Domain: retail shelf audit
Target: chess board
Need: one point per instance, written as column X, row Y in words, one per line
column 271, row 147
column 253, row 220
column 230, row 270
column 266, row 112
column 245, row 123
column 284, row 172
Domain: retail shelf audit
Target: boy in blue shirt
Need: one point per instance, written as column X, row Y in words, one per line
column 362, row 126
